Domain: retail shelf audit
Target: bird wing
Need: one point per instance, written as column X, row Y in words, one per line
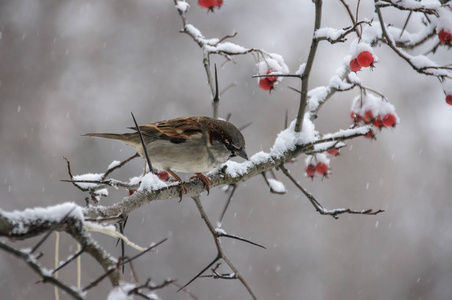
column 175, row 130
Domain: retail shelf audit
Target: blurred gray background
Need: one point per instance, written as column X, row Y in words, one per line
column 71, row 67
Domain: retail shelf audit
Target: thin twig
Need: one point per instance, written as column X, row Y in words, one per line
column 31, row 261
column 119, row 165
column 234, row 187
column 221, row 254
column 69, row 260
column 143, row 144
column 308, row 67
column 319, row 208
column 216, row 98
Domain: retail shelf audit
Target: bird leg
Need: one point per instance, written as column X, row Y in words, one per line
column 183, row 188
column 204, row 179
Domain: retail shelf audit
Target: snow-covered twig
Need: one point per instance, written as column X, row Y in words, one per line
column 333, row 212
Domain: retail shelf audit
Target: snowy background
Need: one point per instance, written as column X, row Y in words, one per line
column 72, row 67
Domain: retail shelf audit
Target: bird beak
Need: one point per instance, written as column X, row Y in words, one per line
column 241, row 153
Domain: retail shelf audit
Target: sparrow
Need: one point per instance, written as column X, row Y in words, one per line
column 188, row 145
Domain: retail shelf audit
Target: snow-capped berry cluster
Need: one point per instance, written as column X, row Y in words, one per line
column 317, row 164
column 275, row 65
column 361, row 57
column 266, row 83
column 210, row 4
column 374, row 110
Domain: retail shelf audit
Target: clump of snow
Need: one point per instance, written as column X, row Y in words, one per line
column 113, row 164
column 121, row 292
column 372, row 33
column 447, row 86
column 88, row 177
column 358, row 47
column 288, row 139
column 317, row 96
column 151, row 182
column 272, row 64
column 135, row 180
column 230, row 48
column 220, row 231
column 329, row 33
column 300, row 70
column 348, row 132
column 102, row 192
column 260, row 157
column 277, row 186
column 375, row 104
column 235, row 169
column 193, row 31
column 328, row 145
column 25, row 218
column 444, row 21
column 182, row 6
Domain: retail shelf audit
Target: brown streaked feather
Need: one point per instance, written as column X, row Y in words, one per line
column 172, row 129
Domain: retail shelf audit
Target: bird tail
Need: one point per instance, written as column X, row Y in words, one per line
column 125, row 137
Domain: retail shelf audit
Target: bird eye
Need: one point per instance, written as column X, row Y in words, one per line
column 229, row 146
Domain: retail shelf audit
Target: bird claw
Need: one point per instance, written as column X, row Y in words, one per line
column 204, row 179
column 183, row 190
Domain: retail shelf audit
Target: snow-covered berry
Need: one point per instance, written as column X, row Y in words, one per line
column 333, row 152
column 365, row 59
column 389, row 120
column 354, row 65
column 368, row 116
column 321, row 168
column 310, row 170
column 444, row 36
column 370, row 135
column 266, row 84
column 378, row 122
column 210, row 4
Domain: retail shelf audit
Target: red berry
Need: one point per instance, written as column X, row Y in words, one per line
column 354, row 65
column 265, row 84
column 370, row 135
column 355, row 117
column 271, row 78
column 389, row 120
column 333, row 152
column 444, row 36
column 310, row 170
column 449, row 99
column 210, row 4
column 378, row 122
column 163, row 175
column 368, row 116
column 365, row 59
column 321, row 168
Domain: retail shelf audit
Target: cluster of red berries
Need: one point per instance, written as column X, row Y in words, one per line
column 320, row 168
column 445, row 37
column 210, row 4
column 320, row 165
column 380, row 121
column 266, row 83
column 363, row 60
